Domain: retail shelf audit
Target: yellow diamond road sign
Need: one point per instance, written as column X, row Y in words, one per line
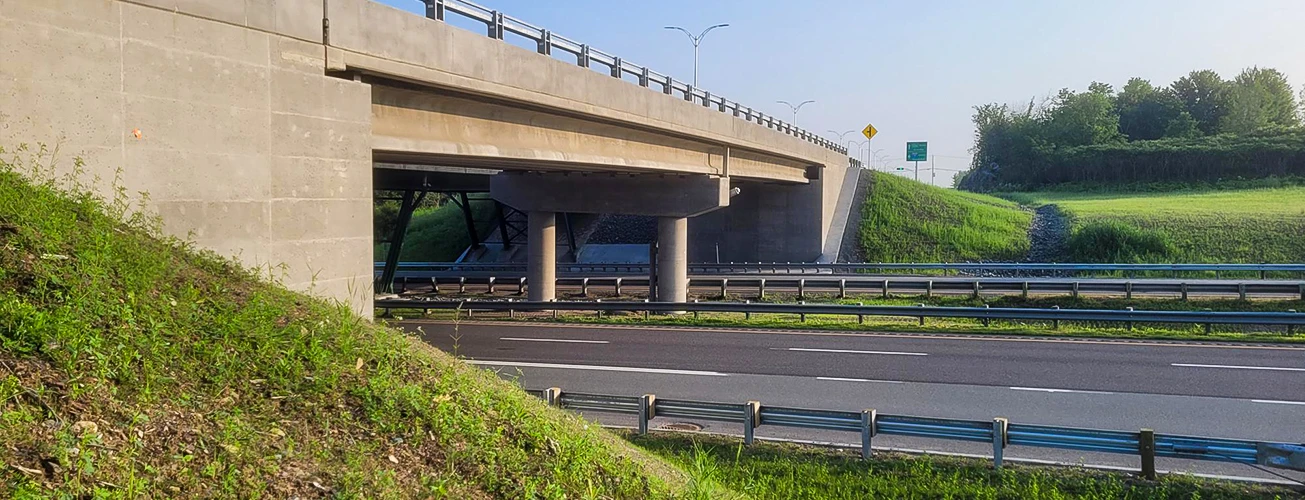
column 870, row 131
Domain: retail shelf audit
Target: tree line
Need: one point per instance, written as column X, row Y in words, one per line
column 1200, row 128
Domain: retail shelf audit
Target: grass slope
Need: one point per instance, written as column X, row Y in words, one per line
column 132, row 366
column 790, row 472
column 1250, row 225
column 906, row 221
column 439, row 234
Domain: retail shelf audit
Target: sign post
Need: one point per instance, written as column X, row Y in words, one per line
column 917, row 152
column 869, row 132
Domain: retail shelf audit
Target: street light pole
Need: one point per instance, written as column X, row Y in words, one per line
column 795, row 109
column 697, row 40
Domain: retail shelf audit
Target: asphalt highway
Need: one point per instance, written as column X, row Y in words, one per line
column 1216, row 390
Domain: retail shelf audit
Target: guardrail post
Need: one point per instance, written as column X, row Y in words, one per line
column 435, row 285
column 1209, row 327
column 869, row 418
column 695, row 311
column 1128, row 290
column 521, row 286
column 976, row 293
column 1291, row 329
column 512, row 313
column 802, row 316
column 928, row 289
column 1241, row 291
column 1183, row 288
column 496, row 25
column 921, row 317
column 462, row 284
column 724, row 288
column 490, row 287
column 1055, row 323
column 545, row 44
column 999, row 426
column 584, row 287
column 1074, row 290
column 618, row 287
column 645, row 311
column 553, row 396
column 1129, row 323
column 761, row 289
column 747, row 315
column 986, row 321
column 647, row 410
column 885, row 294
column 1302, row 291
column 842, row 289
column 751, row 419
column 1146, row 448
column 1024, row 289
column 616, row 67
column 435, row 9
column 600, row 311
column 860, row 318
column 802, row 288
column 582, row 60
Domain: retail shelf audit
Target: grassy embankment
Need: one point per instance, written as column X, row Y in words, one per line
column 1216, row 226
column 790, row 472
column 907, row 221
column 133, row 366
column 437, row 234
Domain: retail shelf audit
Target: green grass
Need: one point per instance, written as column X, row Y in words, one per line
column 439, row 234
column 906, row 221
column 1249, row 225
column 791, row 472
column 134, row 366
column 873, row 324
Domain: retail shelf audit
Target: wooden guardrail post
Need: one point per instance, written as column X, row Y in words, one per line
column 751, row 419
column 869, row 418
column 647, row 410
column 1146, row 448
column 553, row 396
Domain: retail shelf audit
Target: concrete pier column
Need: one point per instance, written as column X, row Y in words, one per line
column 672, row 259
column 541, row 266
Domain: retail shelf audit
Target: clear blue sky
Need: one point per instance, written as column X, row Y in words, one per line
column 916, row 69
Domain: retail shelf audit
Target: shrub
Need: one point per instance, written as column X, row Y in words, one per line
column 1113, row 241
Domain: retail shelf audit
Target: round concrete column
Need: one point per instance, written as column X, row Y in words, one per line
column 672, row 259
column 541, row 274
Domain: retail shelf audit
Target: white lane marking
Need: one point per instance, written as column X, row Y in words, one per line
column 1235, row 367
column 1039, row 389
column 850, row 351
column 1275, row 402
column 598, row 368
column 909, row 336
column 841, row 379
column 565, row 341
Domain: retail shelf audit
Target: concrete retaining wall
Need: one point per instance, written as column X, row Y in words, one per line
column 244, row 144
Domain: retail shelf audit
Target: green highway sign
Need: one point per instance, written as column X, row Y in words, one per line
column 917, row 151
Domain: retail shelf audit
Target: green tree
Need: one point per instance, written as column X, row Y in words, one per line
column 1182, row 126
column 1259, row 98
column 1081, row 119
column 1205, row 96
column 1148, row 113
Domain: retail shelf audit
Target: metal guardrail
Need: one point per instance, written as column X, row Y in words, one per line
column 428, row 269
column 985, row 314
column 498, row 25
column 883, row 286
column 1144, row 443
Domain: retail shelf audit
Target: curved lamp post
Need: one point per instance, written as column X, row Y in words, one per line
column 696, row 41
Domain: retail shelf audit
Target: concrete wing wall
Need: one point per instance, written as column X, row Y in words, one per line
column 245, row 145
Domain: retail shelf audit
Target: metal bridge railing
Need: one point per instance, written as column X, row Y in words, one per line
column 1144, row 443
column 498, row 24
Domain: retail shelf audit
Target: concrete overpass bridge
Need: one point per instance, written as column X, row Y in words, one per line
column 257, row 127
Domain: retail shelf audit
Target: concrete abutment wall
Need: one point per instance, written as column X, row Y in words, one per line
column 245, row 144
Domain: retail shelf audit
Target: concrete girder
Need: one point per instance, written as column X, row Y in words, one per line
column 641, row 194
